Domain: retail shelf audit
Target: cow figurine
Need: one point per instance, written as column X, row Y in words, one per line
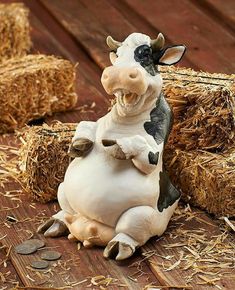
column 116, row 192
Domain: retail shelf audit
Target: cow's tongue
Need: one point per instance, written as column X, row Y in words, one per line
column 130, row 98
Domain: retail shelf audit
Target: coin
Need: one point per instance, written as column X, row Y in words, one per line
column 50, row 255
column 39, row 264
column 38, row 243
column 25, row 249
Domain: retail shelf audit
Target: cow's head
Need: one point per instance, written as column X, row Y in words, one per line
column 134, row 77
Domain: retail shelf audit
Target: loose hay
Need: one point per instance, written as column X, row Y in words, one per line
column 8, row 164
column 207, row 180
column 14, row 30
column 201, row 252
column 44, row 159
column 32, row 87
column 204, row 109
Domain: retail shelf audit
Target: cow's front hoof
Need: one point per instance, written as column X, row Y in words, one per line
column 53, row 228
column 113, row 149
column 80, row 147
column 118, row 250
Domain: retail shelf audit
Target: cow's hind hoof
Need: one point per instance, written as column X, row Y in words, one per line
column 118, row 250
column 53, row 228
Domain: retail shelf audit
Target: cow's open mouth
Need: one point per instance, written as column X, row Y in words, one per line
column 127, row 98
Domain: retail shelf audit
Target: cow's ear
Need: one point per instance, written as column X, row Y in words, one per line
column 112, row 57
column 172, row 55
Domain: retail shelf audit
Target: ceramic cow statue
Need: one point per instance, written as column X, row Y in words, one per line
column 116, row 192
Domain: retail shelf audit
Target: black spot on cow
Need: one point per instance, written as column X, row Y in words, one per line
column 153, row 158
column 150, row 59
column 144, row 55
column 159, row 126
column 168, row 193
column 161, row 120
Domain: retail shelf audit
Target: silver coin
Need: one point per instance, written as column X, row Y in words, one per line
column 38, row 243
column 50, row 255
column 25, row 249
column 39, row 264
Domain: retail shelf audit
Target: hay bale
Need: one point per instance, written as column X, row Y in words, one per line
column 34, row 86
column 44, row 159
column 14, row 30
column 207, row 180
column 204, row 109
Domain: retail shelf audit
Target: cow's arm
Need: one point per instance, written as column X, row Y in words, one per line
column 85, row 130
column 143, row 155
column 83, row 139
column 147, row 161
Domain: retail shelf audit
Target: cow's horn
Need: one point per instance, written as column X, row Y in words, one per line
column 113, row 44
column 158, row 43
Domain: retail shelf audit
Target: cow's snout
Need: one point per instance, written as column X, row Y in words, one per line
column 129, row 79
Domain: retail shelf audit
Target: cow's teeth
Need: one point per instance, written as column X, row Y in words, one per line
column 118, row 93
column 126, row 98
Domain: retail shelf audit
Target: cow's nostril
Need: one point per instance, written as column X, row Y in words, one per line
column 105, row 76
column 133, row 75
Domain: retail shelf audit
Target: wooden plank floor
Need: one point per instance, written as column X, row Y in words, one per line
column 77, row 30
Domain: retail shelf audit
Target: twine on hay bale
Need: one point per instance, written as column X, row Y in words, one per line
column 34, row 86
column 14, row 30
column 206, row 179
column 44, row 159
column 204, row 109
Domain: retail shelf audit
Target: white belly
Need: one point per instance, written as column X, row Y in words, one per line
column 102, row 188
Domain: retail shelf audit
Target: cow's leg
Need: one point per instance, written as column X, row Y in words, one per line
column 134, row 228
column 56, row 225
